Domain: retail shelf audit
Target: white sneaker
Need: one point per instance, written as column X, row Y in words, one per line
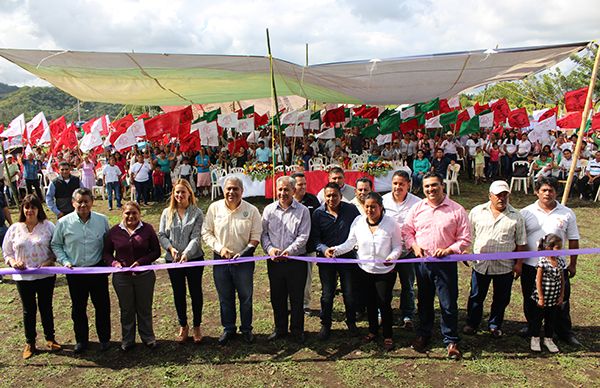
column 549, row 344
column 535, row 344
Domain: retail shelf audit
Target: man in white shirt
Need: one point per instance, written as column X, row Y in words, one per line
column 588, row 185
column 450, row 146
column 471, row 145
column 397, row 203
column 363, row 187
column 336, row 175
column 112, row 176
column 544, row 216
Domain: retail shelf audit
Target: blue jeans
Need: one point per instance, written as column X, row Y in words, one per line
column 440, row 279
column 348, row 278
column 113, row 187
column 480, row 284
column 230, row 278
column 141, row 191
column 406, row 273
column 417, row 180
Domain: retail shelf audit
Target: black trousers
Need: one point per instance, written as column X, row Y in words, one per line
column 82, row 287
column 548, row 315
column 34, row 184
column 193, row 276
column 287, row 280
column 378, row 289
column 563, row 325
column 37, row 294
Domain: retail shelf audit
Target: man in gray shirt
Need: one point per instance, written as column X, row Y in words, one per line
column 285, row 232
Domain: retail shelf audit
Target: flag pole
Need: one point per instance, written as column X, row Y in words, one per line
column 7, row 172
column 580, row 134
column 275, row 119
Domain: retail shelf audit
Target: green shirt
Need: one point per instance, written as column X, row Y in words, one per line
column 79, row 243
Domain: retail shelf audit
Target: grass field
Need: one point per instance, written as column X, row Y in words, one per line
column 342, row 361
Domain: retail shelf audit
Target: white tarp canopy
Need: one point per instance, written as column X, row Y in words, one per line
column 182, row 79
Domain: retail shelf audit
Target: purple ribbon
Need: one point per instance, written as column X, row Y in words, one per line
column 322, row 260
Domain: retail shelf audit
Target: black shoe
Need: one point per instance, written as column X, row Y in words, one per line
column 299, row 338
column 104, row 346
column 324, row 333
column 572, row 340
column 151, row 345
column 352, row 329
column 276, row 336
column 307, row 311
column 248, row 337
column 225, row 337
column 79, row 348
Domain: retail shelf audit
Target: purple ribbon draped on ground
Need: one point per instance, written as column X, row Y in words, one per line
column 323, row 260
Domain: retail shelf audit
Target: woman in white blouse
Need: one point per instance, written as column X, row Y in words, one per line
column 27, row 245
column 379, row 240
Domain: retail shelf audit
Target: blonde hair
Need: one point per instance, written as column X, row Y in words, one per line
column 173, row 203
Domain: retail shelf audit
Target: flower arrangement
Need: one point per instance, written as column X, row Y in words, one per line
column 258, row 171
column 376, row 168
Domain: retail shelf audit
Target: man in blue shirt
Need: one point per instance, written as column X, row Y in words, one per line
column 330, row 227
column 78, row 241
column 31, row 168
column 263, row 154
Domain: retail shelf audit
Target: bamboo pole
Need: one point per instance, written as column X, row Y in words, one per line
column 275, row 118
column 580, row 134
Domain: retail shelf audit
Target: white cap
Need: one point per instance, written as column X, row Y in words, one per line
column 498, row 187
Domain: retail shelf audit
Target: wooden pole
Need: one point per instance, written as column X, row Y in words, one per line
column 275, row 118
column 584, row 117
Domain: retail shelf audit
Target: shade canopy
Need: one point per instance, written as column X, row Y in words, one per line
column 182, row 79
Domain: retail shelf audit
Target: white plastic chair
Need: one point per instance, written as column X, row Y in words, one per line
column 317, row 167
column 236, row 170
column 314, row 160
column 517, row 181
column 215, row 188
column 451, row 181
column 597, row 198
column 280, row 168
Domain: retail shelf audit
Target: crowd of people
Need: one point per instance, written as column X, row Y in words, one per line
column 345, row 221
column 348, row 222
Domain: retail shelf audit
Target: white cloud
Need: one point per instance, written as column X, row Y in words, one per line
column 335, row 30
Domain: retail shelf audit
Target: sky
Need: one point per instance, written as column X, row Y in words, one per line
column 335, row 30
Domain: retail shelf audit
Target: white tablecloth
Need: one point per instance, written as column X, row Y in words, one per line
column 251, row 188
column 257, row 188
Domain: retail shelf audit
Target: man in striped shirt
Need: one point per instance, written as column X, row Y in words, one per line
column 495, row 227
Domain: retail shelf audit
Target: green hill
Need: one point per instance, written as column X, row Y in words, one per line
column 54, row 103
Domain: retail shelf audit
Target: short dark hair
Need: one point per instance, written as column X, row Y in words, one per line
column 31, row 200
column 377, row 197
column 298, row 175
column 546, row 180
column 364, row 180
column 402, row 174
column 64, row 164
column 549, row 241
column 432, row 174
column 336, row 170
column 83, row 191
column 332, row 185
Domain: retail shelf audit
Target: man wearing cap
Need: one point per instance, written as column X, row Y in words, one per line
column 450, row 146
column 495, row 227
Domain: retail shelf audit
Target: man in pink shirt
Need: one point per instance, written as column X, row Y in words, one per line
column 437, row 226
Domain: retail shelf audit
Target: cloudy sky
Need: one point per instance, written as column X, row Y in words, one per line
column 336, row 30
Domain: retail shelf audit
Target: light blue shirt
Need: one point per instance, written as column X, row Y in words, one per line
column 263, row 155
column 79, row 243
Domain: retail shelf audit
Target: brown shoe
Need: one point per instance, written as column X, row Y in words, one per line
column 420, row 344
column 183, row 334
column 28, row 351
column 453, row 352
column 197, row 334
column 53, row 346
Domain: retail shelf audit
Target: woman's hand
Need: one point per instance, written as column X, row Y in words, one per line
column 135, row 264
column 541, row 302
column 174, row 253
column 18, row 264
column 388, row 261
column 183, row 258
column 329, row 253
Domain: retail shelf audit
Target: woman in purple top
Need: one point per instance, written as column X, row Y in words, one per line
column 129, row 244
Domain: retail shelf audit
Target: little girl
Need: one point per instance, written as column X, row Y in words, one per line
column 549, row 293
